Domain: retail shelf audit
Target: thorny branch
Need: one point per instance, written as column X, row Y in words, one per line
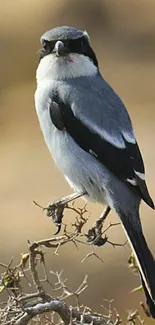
column 22, row 307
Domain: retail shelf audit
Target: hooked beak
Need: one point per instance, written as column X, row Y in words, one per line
column 60, row 49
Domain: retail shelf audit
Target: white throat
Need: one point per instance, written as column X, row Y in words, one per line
column 60, row 68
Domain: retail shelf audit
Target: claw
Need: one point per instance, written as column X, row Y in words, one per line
column 55, row 212
column 94, row 237
column 58, row 228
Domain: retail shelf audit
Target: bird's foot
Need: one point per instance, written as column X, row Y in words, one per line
column 55, row 212
column 94, row 235
column 55, row 209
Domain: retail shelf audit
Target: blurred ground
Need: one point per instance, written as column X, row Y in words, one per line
column 123, row 36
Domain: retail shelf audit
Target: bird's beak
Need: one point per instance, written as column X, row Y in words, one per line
column 60, row 49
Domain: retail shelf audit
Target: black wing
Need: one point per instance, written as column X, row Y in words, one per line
column 126, row 162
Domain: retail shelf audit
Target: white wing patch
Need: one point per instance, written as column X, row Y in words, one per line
column 132, row 181
column 129, row 137
column 140, row 175
column 92, row 153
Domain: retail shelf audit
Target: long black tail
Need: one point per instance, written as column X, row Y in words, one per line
column 145, row 260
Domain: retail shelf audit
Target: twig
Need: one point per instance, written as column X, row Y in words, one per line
column 91, row 254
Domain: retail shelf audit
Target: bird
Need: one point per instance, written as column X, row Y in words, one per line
column 90, row 136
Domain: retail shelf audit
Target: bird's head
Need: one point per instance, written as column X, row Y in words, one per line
column 66, row 53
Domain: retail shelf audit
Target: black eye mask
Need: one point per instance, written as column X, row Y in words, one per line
column 79, row 45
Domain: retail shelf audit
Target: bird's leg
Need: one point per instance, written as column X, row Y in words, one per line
column 94, row 235
column 56, row 208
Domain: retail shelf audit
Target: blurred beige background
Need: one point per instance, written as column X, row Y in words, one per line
column 123, row 36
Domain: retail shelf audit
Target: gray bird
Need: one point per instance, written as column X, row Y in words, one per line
column 90, row 136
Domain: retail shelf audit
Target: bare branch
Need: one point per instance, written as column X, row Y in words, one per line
column 22, row 307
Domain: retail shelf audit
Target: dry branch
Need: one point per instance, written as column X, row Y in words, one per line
column 22, row 308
